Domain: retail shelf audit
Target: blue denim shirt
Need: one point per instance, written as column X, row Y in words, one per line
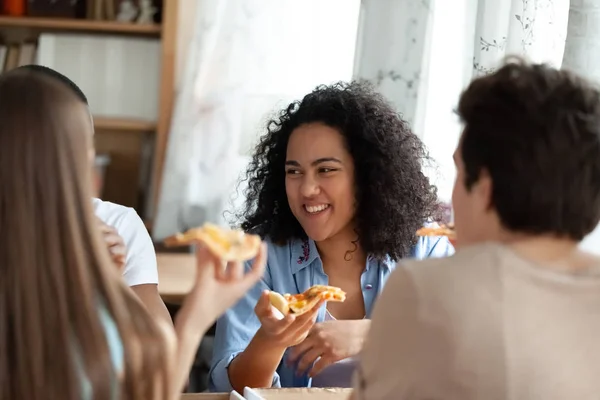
column 293, row 268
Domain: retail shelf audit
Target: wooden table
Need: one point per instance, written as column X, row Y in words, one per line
column 282, row 394
column 176, row 274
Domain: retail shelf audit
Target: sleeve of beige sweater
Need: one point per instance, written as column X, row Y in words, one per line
column 386, row 369
column 406, row 347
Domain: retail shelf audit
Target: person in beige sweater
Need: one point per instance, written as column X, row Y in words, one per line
column 515, row 313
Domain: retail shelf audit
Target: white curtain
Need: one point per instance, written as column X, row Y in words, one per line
column 392, row 51
column 202, row 161
column 536, row 29
column 423, row 53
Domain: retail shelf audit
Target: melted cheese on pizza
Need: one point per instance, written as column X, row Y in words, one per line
column 225, row 239
column 443, row 230
column 299, row 302
column 227, row 244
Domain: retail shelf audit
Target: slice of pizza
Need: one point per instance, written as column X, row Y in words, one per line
column 227, row 244
column 441, row 230
column 302, row 303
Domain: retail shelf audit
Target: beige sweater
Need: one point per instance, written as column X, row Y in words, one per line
column 483, row 324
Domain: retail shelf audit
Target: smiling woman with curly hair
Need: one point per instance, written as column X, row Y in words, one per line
column 337, row 187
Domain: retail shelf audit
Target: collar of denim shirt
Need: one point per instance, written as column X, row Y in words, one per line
column 304, row 252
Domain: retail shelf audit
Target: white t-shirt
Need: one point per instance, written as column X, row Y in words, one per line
column 140, row 264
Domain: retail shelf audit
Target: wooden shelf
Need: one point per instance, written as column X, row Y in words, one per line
column 79, row 25
column 124, row 124
column 129, row 139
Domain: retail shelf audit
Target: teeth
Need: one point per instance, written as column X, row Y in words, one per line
column 316, row 209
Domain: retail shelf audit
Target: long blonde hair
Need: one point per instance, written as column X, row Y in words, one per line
column 55, row 272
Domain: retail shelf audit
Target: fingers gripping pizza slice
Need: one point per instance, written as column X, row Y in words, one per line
column 302, row 303
column 228, row 245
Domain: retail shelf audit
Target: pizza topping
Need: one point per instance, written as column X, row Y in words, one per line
column 304, row 302
column 441, row 230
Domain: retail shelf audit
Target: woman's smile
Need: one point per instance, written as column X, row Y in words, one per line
column 316, row 209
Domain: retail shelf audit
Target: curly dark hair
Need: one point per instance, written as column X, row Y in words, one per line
column 393, row 196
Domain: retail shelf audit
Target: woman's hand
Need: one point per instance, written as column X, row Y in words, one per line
column 218, row 287
column 282, row 331
column 256, row 365
column 332, row 341
column 114, row 243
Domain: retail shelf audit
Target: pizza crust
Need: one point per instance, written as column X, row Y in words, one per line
column 279, row 302
column 228, row 245
column 442, row 230
column 303, row 306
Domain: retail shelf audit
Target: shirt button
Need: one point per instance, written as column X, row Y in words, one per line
column 368, row 286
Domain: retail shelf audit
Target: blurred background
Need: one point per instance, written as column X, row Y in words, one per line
column 182, row 89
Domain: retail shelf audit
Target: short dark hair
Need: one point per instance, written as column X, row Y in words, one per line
column 49, row 72
column 536, row 131
column 393, row 196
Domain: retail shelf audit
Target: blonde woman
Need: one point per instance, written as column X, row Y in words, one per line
column 69, row 327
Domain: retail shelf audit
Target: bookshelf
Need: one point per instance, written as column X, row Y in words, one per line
column 79, row 25
column 124, row 139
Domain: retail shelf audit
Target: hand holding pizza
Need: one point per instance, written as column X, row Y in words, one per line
column 219, row 287
column 332, row 341
column 283, row 331
column 220, row 277
column 114, row 243
column 216, row 287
